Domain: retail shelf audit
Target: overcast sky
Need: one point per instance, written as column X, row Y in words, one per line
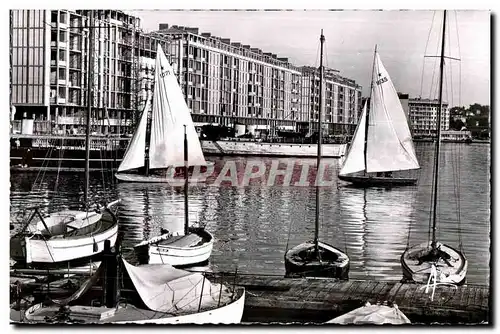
column 351, row 36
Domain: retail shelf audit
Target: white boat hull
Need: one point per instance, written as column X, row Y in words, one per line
column 230, row 313
column 53, row 251
column 175, row 255
column 124, row 177
column 68, row 239
column 180, row 256
column 228, row 147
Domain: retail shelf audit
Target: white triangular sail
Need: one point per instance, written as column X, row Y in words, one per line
column 134, row 156
column 170, row 114
column 355, row 158
column 390, row 146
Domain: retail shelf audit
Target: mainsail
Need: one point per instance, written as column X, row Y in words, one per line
column 390, row 147
column 134, row 156
column 389, row 144
column 170, row 114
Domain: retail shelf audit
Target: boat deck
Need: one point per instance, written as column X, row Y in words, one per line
column 189, row 240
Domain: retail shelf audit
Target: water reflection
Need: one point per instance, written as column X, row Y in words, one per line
column 254, row 225
column 377, row 221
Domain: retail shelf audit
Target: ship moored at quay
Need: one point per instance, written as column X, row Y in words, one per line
column 68, row 151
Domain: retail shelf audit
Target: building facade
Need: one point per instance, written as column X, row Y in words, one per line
column 423, row 117
column 223, row 82
column 227, row 82
column 341, row 101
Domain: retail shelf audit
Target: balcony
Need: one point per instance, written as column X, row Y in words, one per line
column 74, row 84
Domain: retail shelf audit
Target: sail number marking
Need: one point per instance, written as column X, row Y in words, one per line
column 381, row 81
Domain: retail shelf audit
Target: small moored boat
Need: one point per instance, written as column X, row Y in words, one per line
column 64, row 236
column 382, row 143
column 149, row 294
column 177, row 249
column 372, row 315
column 315, row 258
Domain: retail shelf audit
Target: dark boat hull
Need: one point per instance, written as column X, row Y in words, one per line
column 334, row 264
column 378, row 181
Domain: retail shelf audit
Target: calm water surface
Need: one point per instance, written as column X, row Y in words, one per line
column 254, row 225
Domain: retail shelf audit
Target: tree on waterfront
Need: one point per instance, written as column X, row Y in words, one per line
column 476, row 119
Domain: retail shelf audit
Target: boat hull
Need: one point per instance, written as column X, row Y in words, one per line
column 419, row 273
column 179, row 256
column 375, row 181
column 255, row 148
column 372, row 315
column 61, row 249
column 335, row 264
column 137, row 178
column 230, row 313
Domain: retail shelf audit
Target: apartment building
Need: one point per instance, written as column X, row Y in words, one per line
column 50, row 69
column 223, row 81
column 423, row 116
column 228, row 82
column 341, row 101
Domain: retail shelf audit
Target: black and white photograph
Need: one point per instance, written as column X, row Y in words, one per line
column 250, row 166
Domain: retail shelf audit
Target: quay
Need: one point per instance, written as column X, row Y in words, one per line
column 275, row 299
column 318, row 300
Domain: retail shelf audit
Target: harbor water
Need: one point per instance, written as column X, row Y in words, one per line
column 254, row 225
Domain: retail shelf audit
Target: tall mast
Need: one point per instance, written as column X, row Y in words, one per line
column 320, row 139
column 149, row 119
column 438, row 139
column 368, row 111
column 90, row 78
column 186, row 211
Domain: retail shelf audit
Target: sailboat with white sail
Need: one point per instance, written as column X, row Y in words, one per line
column 67, row 236
column 433, row 259
column 165, row 149
column 121, row 293
column 315, row 258
column 382, row 143
column 188, row 249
